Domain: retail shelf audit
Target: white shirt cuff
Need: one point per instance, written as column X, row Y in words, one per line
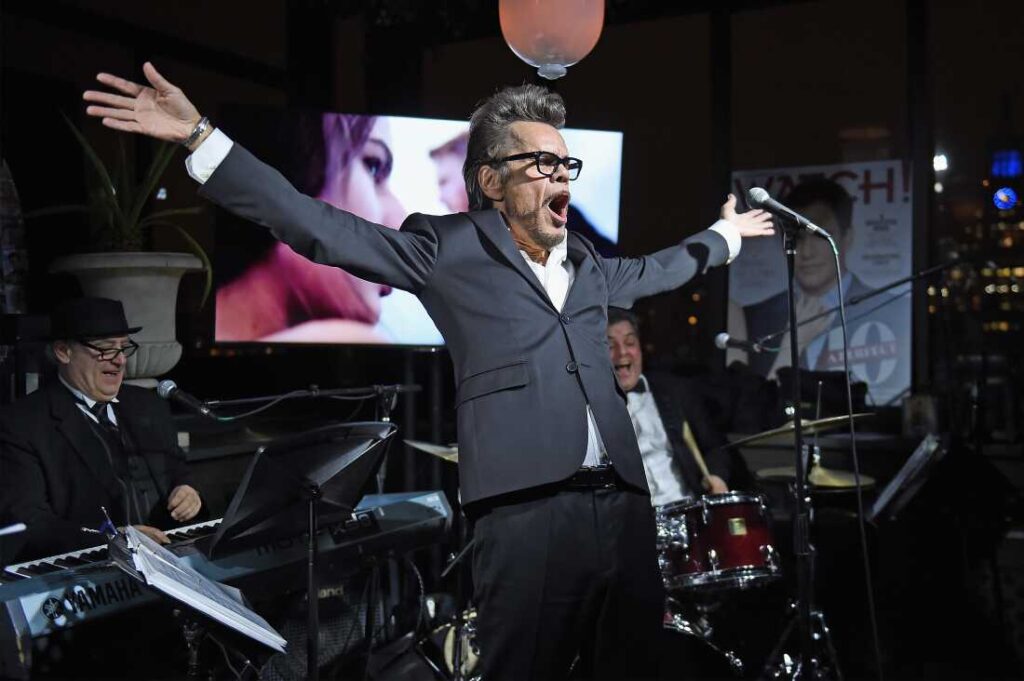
column 201, row 163
column 730, row 233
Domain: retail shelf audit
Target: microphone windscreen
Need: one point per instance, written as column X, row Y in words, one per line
column 722, row 341
column 165, row 388
column 756, row 196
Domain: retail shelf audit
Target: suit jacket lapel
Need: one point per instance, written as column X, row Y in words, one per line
column 492, row 225
column 82, row 439
column 583, row 259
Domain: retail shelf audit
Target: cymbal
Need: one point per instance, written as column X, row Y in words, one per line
column 819, row 476
column 808, row 427
column 448, row 453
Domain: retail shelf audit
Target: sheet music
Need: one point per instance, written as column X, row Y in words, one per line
column 169, row 574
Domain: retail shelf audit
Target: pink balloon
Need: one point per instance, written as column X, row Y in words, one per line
column 551, row 34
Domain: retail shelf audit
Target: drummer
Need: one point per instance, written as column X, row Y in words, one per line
column 662, row 406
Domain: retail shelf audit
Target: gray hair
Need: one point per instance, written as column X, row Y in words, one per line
column 490, row 136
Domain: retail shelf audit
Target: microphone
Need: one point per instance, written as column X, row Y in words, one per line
column 759, row 198
column 169, row 390
column 724, row 340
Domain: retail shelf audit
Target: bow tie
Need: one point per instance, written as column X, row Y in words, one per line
column 99, row 410
column 639, row 388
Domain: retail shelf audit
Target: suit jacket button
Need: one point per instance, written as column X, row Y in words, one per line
column 571, row 367
column 564, row 317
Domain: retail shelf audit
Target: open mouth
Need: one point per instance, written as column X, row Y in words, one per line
column 559, row 207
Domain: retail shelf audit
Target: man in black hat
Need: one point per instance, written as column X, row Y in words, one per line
column 86, row 441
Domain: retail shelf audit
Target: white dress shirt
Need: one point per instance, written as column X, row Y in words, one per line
column 663, row 476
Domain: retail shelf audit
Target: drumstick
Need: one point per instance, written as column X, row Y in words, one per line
column 692, row 444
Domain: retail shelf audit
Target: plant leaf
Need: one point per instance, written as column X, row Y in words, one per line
column 123, row 184
column 101, row 170
column 159, row 215
column 163, row 156
column 199, row 252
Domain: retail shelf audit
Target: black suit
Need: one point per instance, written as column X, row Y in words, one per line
column 678, row 399
column 554, row 570
column 56, row 472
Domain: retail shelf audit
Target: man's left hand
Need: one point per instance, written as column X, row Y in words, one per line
column 752, row 223
column 184, row 503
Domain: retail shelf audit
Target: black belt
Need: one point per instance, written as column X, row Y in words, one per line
column 593, row 477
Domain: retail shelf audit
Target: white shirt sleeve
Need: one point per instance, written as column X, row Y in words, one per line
column 729, row 232
column 201, row 163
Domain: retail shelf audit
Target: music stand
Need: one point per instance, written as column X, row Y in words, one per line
column 289, row 483
column 906, row 483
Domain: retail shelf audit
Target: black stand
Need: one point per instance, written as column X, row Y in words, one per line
column 289, row 483
column 461, row 603
column 811, row 630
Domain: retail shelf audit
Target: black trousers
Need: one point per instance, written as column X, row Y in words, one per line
column 565, row 572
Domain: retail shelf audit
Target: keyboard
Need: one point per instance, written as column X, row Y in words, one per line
column 58, row 592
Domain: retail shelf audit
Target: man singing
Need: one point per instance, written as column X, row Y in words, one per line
column 564, row 560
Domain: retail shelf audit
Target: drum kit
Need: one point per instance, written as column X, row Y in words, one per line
column 710, row 550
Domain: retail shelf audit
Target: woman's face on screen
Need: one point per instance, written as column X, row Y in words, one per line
column 359, row 187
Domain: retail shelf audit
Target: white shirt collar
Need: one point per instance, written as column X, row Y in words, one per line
column 560, row 251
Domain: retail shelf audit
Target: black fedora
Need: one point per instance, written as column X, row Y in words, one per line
column 89, row 318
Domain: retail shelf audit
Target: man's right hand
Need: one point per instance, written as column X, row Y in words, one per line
column 161, row 111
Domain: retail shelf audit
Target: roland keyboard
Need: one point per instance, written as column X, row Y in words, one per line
column 42, row 596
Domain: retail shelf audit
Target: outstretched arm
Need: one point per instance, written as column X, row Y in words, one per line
column 247, row 187
column 630, row 279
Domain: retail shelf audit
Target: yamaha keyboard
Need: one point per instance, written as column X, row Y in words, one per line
column 63, row 591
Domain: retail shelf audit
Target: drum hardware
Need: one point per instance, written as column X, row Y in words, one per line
column 781, row 665
column 459, row 643
column 697, row 625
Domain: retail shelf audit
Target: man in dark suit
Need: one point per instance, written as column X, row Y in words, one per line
column 564, row 556
column 661, row 406
column 86, row 441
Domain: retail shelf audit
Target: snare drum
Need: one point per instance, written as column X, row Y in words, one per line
column 720, row 541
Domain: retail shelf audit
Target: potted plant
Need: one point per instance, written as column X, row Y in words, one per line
column 146, row 282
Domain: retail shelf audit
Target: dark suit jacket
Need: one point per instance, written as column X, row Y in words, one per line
column 678, row 399
column 524, row 372
column 56, row 473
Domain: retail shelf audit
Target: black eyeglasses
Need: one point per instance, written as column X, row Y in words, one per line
column 547, row 163
column 108, row 354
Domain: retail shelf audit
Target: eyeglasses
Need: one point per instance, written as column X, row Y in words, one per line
column 108, row 354
column 547, row 163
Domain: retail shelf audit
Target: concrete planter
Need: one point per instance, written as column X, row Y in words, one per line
column 147, row 285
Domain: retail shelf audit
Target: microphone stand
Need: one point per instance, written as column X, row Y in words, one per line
column 807, row 663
